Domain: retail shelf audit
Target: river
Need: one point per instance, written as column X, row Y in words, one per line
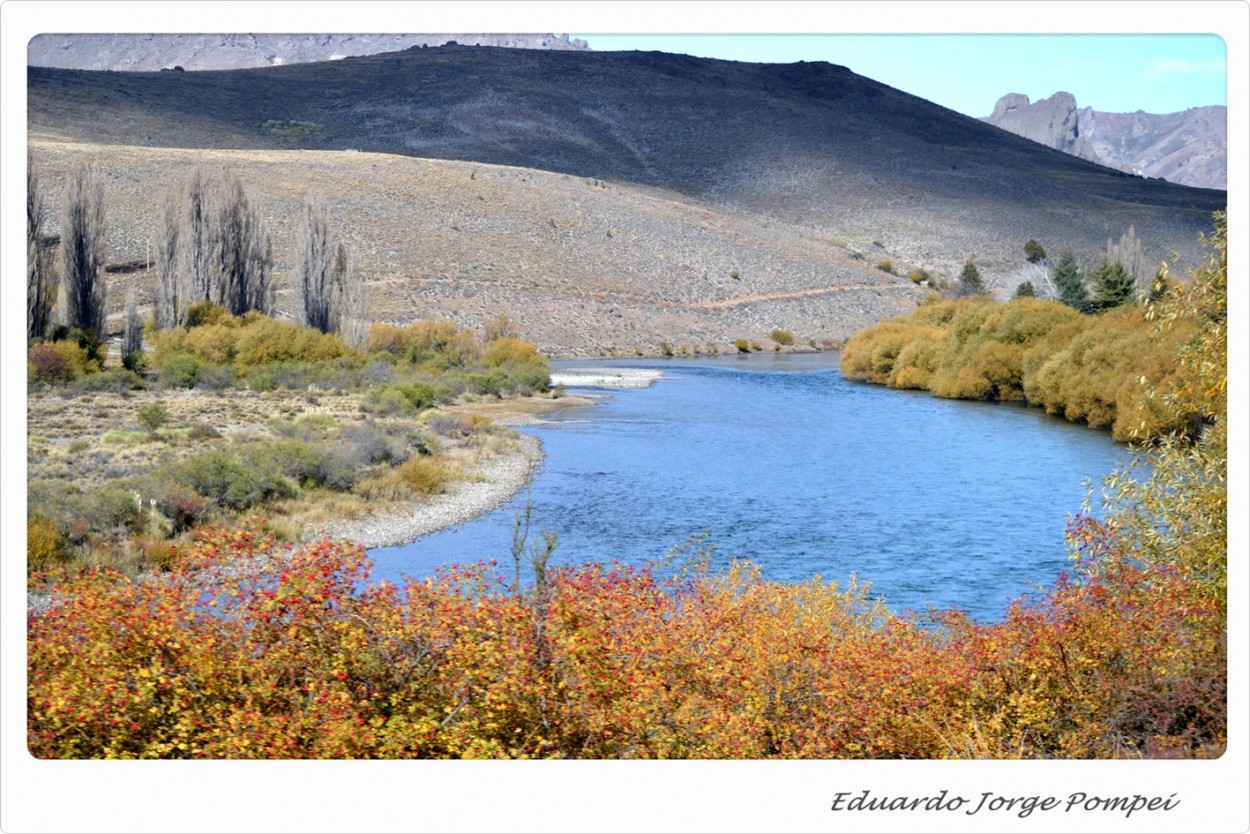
column 782, row 461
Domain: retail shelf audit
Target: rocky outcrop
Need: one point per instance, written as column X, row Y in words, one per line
column 1053, row 122
column 1188, row 148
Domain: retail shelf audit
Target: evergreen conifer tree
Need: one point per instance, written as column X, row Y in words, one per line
column 1113, row 285
column 970, row 282
column 1071, row 283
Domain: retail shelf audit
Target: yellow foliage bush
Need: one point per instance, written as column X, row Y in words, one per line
column 423, row 475
column 1093, row 369
column 508, row 349
column 246, row 341
column 44, row 544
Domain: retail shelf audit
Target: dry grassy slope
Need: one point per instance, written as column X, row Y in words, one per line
column 585, row 267
column 777, row 171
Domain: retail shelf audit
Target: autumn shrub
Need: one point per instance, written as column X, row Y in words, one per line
column 445, row 342
column 423, row 475
column 511, row 350
column 781, row 336
column 60, row 361
column 215, row 339
column 1087, row 369
column 262, row 341
column 44, row 363
column 605, row 662
column 182, row 505
column 44, row 544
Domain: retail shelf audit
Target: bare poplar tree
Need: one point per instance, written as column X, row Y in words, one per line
column 328, row 292
column 173, row 291
column 196, row 236
column 82, row 251
column 132, row 330
column 243, row 255
column 41, row 289
column 353, row 321
column 1127, row 253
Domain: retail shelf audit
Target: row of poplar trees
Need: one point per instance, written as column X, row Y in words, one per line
column 211, row 246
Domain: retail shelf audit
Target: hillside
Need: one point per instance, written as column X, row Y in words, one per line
column 191, row 52
column 1188, row 148
column 606, row 199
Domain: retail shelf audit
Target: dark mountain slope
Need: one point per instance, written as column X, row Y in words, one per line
column 809, row 143
column 793, row 179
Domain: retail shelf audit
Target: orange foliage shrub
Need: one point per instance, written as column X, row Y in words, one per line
column 602, row 662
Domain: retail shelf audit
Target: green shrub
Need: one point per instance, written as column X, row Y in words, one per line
column 118, row 437
column 180, row 370
column 112, row 380
column 416, row 396
column 528, row 377
column 236, row 479
column 112, row 508
column 370, row 443
column 313, row 464
column 154, row 415
column 387, row 401
column 135, row 361
column 492, row 384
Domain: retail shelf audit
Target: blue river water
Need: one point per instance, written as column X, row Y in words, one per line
column 783, row 462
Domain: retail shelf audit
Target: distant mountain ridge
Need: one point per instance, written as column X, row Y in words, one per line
column 149, row 53
column 1187, row 148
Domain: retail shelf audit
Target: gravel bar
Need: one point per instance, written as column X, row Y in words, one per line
column 503, row 476
column 612, row 378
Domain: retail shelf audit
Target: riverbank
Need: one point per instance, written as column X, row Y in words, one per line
column 489, row 485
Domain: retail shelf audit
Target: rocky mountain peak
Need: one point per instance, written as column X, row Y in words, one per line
column 1189, row 148
column 1052, row 122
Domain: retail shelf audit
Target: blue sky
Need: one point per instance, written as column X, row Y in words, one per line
column 1156, row 73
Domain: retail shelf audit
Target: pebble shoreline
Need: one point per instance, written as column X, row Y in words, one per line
column 502, row 477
